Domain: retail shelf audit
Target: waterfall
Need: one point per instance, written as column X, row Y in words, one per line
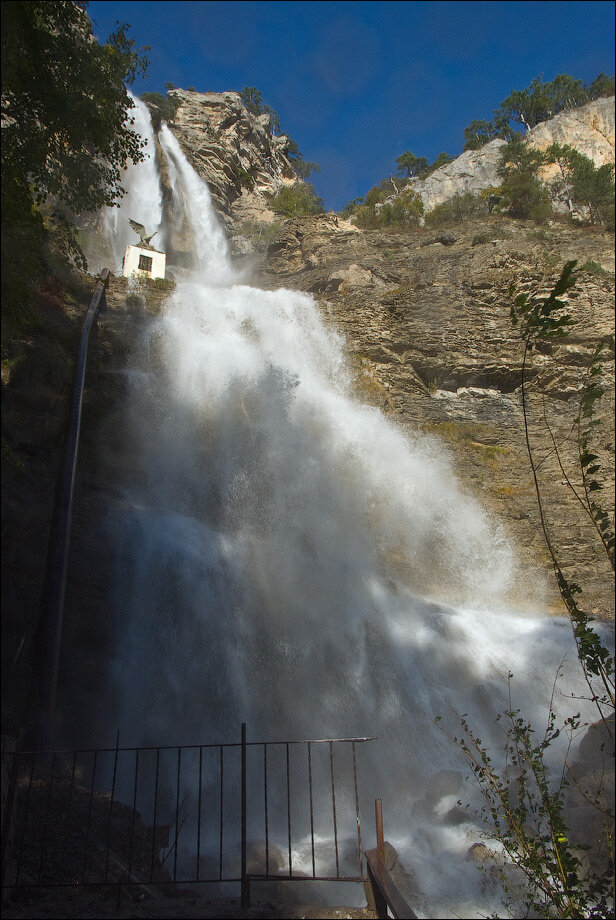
column 292, row 559
column 141, row 202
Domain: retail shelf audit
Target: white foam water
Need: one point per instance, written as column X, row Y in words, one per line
column 142, row 201
column 295, row 561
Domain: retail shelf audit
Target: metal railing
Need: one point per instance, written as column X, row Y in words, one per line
column 385, row 892
column 238, row 812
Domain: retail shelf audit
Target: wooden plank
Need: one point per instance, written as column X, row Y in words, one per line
column 383, row 883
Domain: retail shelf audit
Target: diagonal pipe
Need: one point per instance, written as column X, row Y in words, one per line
column 51, row 614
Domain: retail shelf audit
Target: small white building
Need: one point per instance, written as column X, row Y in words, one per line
column 143, row 262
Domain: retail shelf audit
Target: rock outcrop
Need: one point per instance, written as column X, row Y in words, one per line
column 471, row 172
column 233, row 151
column 588, row 129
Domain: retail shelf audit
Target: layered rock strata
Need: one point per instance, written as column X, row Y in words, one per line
column 429, row 335
column 233, row 151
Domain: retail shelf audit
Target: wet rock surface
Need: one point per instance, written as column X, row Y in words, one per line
column 428, row 332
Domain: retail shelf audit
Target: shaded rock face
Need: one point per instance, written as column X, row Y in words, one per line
column 233, row 151
column 588, row 129
column 430, row 339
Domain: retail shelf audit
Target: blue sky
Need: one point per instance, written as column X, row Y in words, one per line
column 357, row 84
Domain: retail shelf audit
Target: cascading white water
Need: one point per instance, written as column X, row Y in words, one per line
column 142, row 201
column 295, row 561
column 192, row 206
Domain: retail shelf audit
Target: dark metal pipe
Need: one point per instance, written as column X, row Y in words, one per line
column 49, row 631
column 245, row 887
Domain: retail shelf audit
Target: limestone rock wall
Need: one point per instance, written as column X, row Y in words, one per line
column 233, row 151
column 588, row 129
column 471, row 172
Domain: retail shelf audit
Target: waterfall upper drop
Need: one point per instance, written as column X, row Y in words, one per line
column 194, row 214
column 143, row 200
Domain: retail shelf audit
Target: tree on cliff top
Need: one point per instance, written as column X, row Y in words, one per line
column 540, row 101
column 253, row 102
column 66, row 134
column 411, row 165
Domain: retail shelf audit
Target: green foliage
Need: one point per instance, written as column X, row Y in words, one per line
column 259, row 234
column 456, row 209
column 541, row 100
column 162, row 108
column 410, row 165
column 296, row 200
column 134, row 301
column 66, row 134
column 252, row 100
column 541, row 317
column 374, row 211
column 593, row 268
column 478, row 133
column 525, row 804
column 538, row 102
column 523, row 193
column 302, row 167
column 441, row 160
column 601, row 86
column 246, row 180
column 64, row 104
column 585, row 184
column 405, row 209
column 524, row 810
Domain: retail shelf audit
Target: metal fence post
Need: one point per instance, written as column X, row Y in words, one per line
column 380, row 840
column 245, row 896
column 378, row 898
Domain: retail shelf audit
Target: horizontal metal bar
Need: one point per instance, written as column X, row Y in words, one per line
column 161, row 883
column 157, row 883
column 188, row 747
column 306, row 878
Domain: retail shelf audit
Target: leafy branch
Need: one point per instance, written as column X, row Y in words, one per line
column 525, row 811
column 540, row 317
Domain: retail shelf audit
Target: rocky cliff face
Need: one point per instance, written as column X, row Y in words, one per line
column 233, row 151
column 427, row 325
column 588, row 129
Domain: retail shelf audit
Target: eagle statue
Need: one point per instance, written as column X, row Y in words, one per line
column 140, row 229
